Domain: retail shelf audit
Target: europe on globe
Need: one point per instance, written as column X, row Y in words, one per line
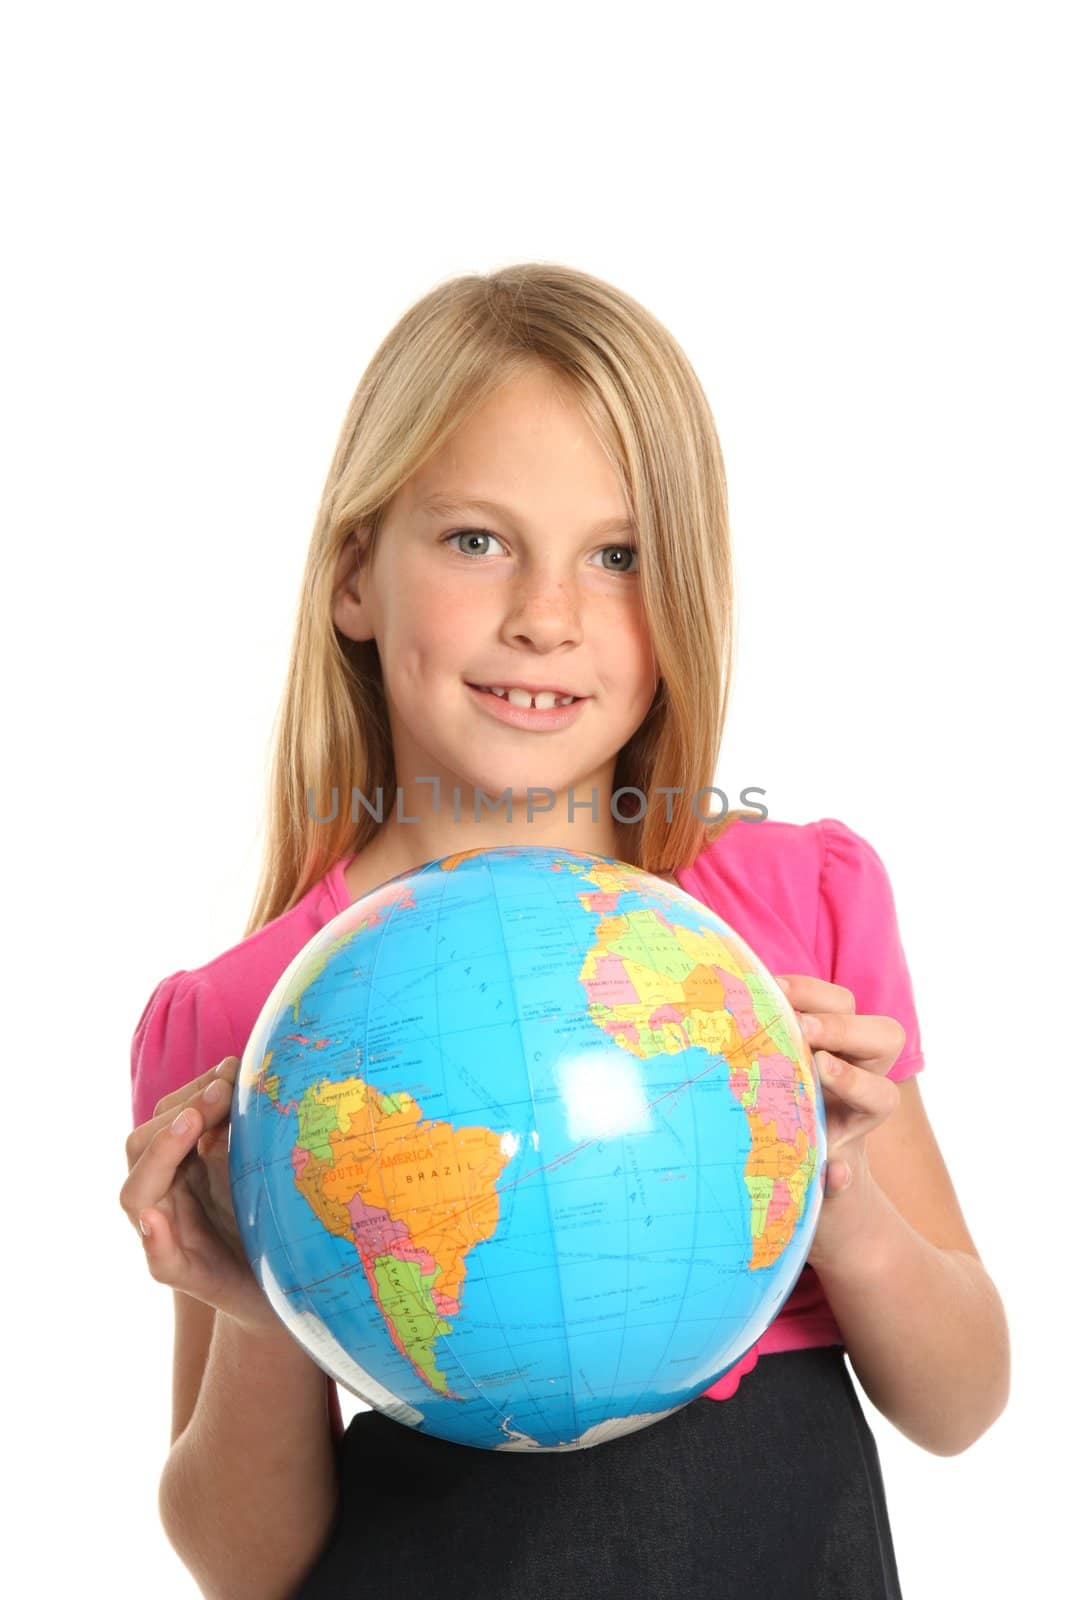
column 526, row 1147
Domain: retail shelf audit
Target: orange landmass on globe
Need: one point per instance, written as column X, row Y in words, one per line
column 412, row 1196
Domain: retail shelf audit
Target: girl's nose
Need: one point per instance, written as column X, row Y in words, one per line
column 544, row 613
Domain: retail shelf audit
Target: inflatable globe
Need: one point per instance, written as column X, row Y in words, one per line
column 526, row 1148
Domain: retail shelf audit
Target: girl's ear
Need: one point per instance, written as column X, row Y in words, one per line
column 351, row 605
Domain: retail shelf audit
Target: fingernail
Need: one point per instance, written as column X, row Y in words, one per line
column 810, row 1024
column 146, row 1226
column 213, row 1090
column 180, row 1123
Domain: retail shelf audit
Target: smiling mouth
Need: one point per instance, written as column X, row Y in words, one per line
column 544, row 701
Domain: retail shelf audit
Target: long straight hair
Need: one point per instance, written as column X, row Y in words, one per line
column 446, row 356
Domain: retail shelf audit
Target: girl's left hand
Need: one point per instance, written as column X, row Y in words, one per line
column 852, row 1055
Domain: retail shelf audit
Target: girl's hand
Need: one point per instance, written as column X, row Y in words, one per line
column 179, row 1186
column 852, row 1055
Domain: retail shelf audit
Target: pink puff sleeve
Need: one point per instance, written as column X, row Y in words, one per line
column 857, row 940
column 182, row 1031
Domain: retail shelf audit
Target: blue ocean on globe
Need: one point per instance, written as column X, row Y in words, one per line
column 526, row 1148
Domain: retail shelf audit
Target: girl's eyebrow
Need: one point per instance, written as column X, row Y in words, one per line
column 450, row 507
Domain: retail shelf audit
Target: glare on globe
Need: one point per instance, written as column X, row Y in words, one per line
column 526, row 1148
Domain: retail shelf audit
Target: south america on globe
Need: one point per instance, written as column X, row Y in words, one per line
column 526, row 1148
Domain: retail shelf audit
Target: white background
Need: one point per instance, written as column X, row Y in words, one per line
column 850, row 217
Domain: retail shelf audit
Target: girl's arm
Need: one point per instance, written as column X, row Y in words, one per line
column 250, row 1488
column 924, row 1326
column 922, row 1321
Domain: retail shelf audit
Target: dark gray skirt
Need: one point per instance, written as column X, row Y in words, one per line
column 774, row 1494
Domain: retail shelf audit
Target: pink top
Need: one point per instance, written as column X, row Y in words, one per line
column 808, row 898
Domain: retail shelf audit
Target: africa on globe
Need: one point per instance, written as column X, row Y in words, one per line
column 525, row 1148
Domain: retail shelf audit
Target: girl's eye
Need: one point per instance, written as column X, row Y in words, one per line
column 625, row 550
column 470, row 533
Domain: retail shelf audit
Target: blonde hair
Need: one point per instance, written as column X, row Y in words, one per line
column 446, row 356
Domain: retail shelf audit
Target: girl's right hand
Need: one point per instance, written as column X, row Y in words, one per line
column 179, row 1183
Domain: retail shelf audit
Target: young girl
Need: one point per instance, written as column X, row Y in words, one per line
column 528, row 496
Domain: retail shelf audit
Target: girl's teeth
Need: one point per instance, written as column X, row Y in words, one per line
column 540, row 702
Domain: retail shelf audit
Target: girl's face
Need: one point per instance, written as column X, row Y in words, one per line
column 543, row 593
